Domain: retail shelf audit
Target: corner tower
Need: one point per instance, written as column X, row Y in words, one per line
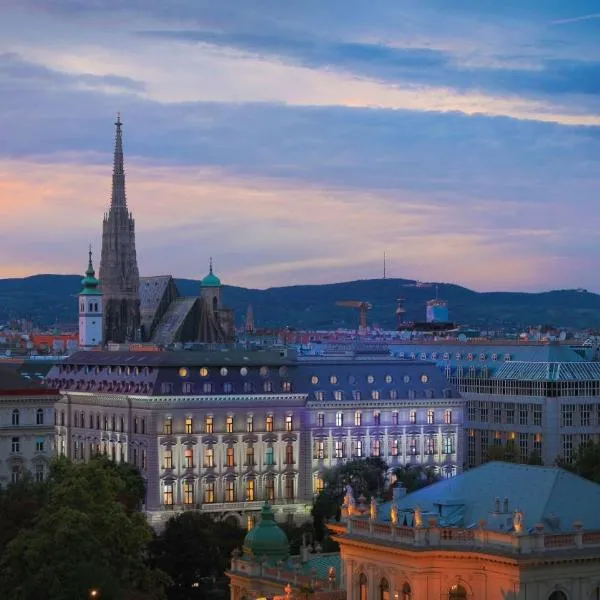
column 90, row 310
column 119, row 273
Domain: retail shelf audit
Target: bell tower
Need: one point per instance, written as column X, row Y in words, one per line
column 90, row 310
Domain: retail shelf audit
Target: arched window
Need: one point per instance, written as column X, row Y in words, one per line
column 15, row 416
column 384, row 590
column 457, row 592
column 557, row 595
column 406, row 592
column 362, row 587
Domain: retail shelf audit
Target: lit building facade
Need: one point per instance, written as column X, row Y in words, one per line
column 26, row 427
column 224, row 431
column 464, row 540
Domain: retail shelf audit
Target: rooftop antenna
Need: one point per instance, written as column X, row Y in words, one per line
column 384, row 265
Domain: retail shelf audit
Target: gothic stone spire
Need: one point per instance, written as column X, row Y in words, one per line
column 119, row 275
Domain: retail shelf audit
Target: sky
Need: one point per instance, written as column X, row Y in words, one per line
column 297, row 142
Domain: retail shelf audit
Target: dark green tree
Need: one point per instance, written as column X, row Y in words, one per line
column 586, row 462
column 83, row 537
column 415, row 477
column 534, row 458
column 193, row 549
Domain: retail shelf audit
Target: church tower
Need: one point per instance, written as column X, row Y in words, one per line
column 119, row 275
column 90, row 310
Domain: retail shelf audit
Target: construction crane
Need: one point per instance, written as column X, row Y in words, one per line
column 362, row 306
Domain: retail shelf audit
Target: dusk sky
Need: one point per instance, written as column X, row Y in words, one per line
column 296, row 142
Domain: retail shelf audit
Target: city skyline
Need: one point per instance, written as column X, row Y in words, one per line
column 297, row 145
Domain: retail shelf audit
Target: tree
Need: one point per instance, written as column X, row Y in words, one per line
column 365, row 475
column 192, row 548
column 415, row 477
column 82, row 537
column 534, row 458
column 586, row 462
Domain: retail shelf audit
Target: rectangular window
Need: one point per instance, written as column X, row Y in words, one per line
column 135, row 424
column 208, row 425
column 166, row 388
column 167, row 427
column 358, row 418
column 586, row 415
column 39, row 473
column 412, row 446
column 289, row 423
column 250, row 490
column 430, row 445
column 319, row 450
column 269, row 456
column 209, row 457
column 143, row 425
column 537, row 415
column 339, row 449
column 510, row 413
column 395, row 418
column 144, row 457
column 497, row 412
column 39, row 445
column 168, row 494
column 471, row 411
column 188, row 458
column 229, row 424
column 358, row 448
column 207, row 387
column 395, row 449
column 39, row 417
column 412, row 417
column 168, row 459
column 16, row 445
column 523, row 414
column 449, row 444
column 566, row 415
column 319, row 485
column 188, row 492
column 376, row 418
column 250, row 424
column 448, row 416
column 376, row 448
column 269, row 424
column 567, row 447
column 188, row 387
column 230, row 457
column 230, row 490
column 289, row 454
column 16, row 474
column 250, row 456
column 270, row 489
column 123, row 425
column 430, row 417
column 289, row 487
column 483, row 412
column 189, row 425
column 75, row 450
column 339, row 419
column 209, row 492
column 321, row 420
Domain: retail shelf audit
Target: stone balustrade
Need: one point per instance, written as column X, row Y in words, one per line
column 476, row 538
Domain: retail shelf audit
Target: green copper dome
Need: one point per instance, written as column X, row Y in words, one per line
column 211, row 280
column 267, row 538
column 89, row 282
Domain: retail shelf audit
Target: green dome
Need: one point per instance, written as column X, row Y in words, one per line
column 89, row 282
column 211, row 280
column 267, row 538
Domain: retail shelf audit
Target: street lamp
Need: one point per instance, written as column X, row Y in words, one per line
column 94, row 593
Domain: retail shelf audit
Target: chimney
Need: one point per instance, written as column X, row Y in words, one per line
column 505, row 504
column 398, row 492
column 497, row 505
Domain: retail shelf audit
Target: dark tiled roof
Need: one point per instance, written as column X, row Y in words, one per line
column 12, row 380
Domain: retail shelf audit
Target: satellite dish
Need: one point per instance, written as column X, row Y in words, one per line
column 563, row 336
column 462, row 337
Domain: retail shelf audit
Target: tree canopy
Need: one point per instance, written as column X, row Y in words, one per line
column 80, row 533
column 586, row 462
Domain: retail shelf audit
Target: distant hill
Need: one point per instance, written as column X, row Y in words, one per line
column 47, row 299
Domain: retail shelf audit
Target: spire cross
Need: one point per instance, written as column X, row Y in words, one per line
column 210, row 268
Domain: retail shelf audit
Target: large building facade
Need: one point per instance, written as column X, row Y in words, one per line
column 224, row 431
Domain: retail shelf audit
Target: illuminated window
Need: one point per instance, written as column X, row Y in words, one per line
column 168, row 494
column 448, row 416
column 363, row 593
column 333, row 379
column 189, row 425
column 357, row 418
column 375, row 395
column 393, row 394
column 430, row 445
column 384, row 590
column 229, row 424
column 389, row 379
column 268, row 386
column 209, row 492
column 339, row 419
column 338, row 395
column 376, row 418
column 209, row 424
column 340, row 451
column 250, row 490
column 203, row 372
column 269, row 456
column 406, row 379
column 395, row 418
column 230, row 490
column 188, row 492
column 395, row 450
column 230, row 457
column 424, row 378
column 376, row 449
column 289, row 423
column 168, row 458
column 358, row 449
column 412, row 417
column 183, row 372
column 356, row 394
column 370, row 379
column 188, row 458
column 250, row 424
column 321, row 420
column 209, row 457
column 250, row 456
column 270, row 489
column 449, row 445
column 319, row 450
column 223, row 371
column 264, row 371
column 289, row 487
column 319, row 485
column 243, row 371
column 430, row 417
column 269, row 424
column 412, row 446
column 286, row 386
column 314, row 380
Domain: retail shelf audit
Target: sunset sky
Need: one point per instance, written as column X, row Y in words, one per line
column 296, row 142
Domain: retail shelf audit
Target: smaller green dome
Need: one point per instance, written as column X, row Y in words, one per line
column 211, row 280
column 267, row 538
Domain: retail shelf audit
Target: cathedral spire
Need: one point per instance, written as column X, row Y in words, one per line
column 118, row 198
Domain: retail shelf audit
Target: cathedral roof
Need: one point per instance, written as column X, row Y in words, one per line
column 211, row 280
